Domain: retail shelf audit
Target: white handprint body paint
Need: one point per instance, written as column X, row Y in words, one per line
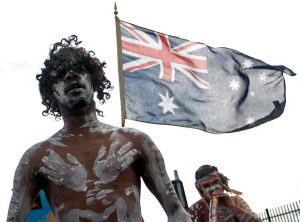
column 109, row 168
column 111, row 161
column 97, row 194
column 72, row 175
column 20, row 196
column 120, row 207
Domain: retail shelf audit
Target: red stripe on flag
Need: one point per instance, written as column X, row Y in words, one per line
column 142, row 66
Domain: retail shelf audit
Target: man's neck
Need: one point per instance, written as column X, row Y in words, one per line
column 78, row 121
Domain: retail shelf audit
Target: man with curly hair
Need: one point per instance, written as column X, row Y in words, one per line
column 89, row 171
column 216, row 205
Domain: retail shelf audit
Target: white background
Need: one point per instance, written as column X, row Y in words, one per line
column 262, row 162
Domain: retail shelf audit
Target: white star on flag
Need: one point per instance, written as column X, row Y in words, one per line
column 247, row 63
column 234, row 85
column 250, row 120
column 262, row 77
column 252, row 93
column 167, row 103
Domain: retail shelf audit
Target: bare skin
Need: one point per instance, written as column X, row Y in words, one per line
column 91, row 171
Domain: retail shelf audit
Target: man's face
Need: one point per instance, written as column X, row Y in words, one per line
column 210, row 185
column 73, row 88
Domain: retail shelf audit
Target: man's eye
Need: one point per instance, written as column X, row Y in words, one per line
column 79, row 69
column 59, row 75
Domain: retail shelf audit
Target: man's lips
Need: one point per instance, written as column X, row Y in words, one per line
column 72, row 86
column 217, row 192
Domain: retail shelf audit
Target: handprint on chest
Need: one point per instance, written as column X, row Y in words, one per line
column 108, row 167
column 109, row 163
column 71, row 173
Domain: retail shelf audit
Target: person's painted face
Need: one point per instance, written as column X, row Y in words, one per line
column 73, row 88
column 210, row 185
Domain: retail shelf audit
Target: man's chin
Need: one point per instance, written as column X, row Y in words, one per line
column 77, row 104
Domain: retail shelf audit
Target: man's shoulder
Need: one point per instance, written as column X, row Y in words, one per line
column 198, row 205
column 127, row 132
column 198, row 211
column 239, row 201
column 236, row 198
column 106, row 129
column 134, row 136
column 33, row 152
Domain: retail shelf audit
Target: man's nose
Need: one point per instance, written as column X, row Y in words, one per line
column 71, row 75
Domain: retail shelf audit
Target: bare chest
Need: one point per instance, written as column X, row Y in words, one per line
column 77, row 162
column 92, row 178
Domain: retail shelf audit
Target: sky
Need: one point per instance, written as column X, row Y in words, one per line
column 262, row 162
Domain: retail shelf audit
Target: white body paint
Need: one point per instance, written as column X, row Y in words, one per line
column 116, row 161
column 110, row 162
column 67, row 99
column 72, row 175
column 120, row 207
column 20, row 196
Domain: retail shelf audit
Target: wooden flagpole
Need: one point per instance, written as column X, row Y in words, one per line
column 120, row 67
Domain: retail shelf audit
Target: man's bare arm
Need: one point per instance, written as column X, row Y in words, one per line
column 158, row 182
column 24, row 189
column 243, row 211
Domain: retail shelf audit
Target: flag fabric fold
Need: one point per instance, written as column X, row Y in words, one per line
column 173, row 81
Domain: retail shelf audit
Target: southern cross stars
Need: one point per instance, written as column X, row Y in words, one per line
column 247, row 64
column 262, row 77
column 167, row 103
column 250, row 120
column 234, row 85
column 252, row 93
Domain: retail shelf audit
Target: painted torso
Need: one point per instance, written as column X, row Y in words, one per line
column 91, row 175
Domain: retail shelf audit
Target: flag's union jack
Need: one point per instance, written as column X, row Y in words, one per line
column 159, row 51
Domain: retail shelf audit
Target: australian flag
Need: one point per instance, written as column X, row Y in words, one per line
column 169, row 80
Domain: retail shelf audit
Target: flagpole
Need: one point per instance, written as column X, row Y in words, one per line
column 120, row 68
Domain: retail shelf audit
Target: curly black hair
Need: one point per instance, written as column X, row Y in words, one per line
column 66, row 55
